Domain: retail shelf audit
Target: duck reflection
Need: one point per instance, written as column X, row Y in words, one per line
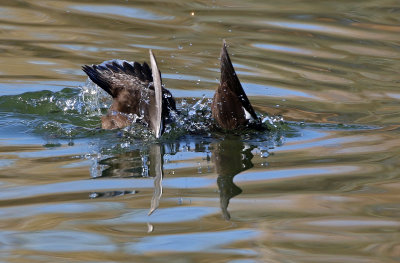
column 156, row 165
column 230, row 156
column 139, row 163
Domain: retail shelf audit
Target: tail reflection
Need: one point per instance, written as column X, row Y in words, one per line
column 156, row 168
column 231, row 156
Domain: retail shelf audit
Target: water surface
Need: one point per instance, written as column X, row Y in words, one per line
column 321, row 188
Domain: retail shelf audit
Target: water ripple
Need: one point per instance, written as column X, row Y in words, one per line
column 114, row 10
column 212, row 242
column 346, row 32
column 320, row 188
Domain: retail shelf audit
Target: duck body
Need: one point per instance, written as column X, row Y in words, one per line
column 134, row 94
column 138, row 96
column 231, row 109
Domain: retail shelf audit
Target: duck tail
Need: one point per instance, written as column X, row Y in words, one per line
column 230, row 80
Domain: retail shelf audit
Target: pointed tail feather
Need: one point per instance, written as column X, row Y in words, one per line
column 229, row 77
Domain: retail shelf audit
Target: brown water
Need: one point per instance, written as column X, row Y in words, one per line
column 324, row 189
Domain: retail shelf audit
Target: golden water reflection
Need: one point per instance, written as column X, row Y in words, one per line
column 285, row 203
column 324, row 190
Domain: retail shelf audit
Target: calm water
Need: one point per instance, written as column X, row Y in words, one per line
column 324, row 187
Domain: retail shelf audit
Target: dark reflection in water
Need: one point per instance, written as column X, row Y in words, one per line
column 156, row 168
column 231, row 156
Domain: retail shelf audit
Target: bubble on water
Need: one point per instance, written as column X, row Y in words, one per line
column 199, row 169
column 264, row 154
column 93, row 195
column 125, row 145
column 273, row 122
column 145, row 167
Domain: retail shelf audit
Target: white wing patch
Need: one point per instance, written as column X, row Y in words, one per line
column 248, row 115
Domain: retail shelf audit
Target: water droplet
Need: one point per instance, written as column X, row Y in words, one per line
column 264, row 154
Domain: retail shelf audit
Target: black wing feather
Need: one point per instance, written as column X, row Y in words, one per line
column 129, row 68
column 138, row 71
column 113, row 76
column 147, row 72
column 97, row 77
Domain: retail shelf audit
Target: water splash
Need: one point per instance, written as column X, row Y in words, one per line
column 195, row 115
column 75, row 113
column 92, row 99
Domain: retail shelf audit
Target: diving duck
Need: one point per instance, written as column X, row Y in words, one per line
column 137, row 92
column 138, row 96
column 231, row 109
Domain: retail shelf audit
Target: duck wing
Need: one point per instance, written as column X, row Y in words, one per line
column 134, row 92
column 229, row 80
column 113, row 76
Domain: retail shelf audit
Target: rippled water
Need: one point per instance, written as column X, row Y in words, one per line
column 322, row 187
